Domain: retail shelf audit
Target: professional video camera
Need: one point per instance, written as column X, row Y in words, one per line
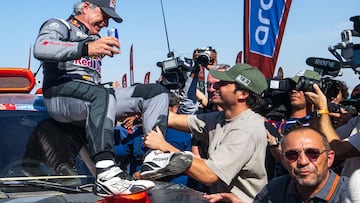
column 173, row 71
column 277, row 102
column 277, row 105
column 331, row 89
column 350, row 52
column 349, row 58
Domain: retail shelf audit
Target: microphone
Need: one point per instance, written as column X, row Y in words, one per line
column 324, row 66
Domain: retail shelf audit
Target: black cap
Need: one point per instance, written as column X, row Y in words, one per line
column 108, row 7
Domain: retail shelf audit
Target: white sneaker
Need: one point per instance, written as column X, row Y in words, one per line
column 158, row 164
column 114, row 181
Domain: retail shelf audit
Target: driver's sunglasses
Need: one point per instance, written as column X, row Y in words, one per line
column 311, row 154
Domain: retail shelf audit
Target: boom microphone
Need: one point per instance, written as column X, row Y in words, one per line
column 324, row 66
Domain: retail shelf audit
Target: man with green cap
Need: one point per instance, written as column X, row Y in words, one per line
column 237, row 137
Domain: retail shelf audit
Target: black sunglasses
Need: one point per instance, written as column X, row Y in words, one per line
column 311, row 154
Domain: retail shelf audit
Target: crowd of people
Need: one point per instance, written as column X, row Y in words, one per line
column 219, row 142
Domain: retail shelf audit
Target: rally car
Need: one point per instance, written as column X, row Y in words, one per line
column 30, row 150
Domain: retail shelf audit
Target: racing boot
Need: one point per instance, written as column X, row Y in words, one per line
column 158, row 164
column 114, row 181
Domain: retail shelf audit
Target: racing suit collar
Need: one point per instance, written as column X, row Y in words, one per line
column 77, row 23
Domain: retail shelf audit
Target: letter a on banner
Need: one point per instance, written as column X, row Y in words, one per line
column 264, row 25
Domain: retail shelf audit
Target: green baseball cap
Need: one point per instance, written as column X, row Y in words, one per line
column 308, row 74
column 247, row 76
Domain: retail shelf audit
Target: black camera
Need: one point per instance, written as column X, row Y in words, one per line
column 305, row 84
column 335, row 108
column 328, row 86
column 203, row 57
column 173, row 72
column 276, row 96
column 355, row 102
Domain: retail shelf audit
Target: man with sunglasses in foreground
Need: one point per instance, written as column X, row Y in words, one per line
column 307, row 156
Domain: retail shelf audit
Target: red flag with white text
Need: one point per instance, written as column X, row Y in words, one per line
column 264, row 25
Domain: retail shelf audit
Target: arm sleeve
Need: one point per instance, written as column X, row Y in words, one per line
column 189, row 101
column 347, row 129
column 53, row 42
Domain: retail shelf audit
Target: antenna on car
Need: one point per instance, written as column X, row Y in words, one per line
column 170, row 53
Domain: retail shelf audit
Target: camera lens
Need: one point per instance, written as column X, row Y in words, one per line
column 306, row 84
column 203, row 60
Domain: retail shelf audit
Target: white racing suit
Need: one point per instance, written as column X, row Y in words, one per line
column 73, row 92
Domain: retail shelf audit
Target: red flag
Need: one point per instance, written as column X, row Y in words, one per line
column 29, row 60
column 131, row 66
column 280, row 74
column 264, row 25
column 147, row 78
column 238, row 57
column 124, row 81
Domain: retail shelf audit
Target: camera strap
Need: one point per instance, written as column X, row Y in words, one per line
column 296, row 123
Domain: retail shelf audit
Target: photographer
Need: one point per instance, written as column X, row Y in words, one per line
column 191, row 97
column 299, row 114
column 352, row 109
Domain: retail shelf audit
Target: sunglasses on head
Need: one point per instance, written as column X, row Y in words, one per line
column 311, row 154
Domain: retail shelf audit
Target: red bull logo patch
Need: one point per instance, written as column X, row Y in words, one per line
column 91, row 63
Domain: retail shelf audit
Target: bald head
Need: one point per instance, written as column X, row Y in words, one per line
column 307, row 132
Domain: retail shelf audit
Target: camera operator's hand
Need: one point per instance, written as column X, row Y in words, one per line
column 104, row 46
column 338, row 119
column 223, row 197
column 116, row 84
column 317, row 98
column 130, row 121
column 156, row 140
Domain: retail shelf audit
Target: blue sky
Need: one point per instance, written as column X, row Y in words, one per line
column 311, row 28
